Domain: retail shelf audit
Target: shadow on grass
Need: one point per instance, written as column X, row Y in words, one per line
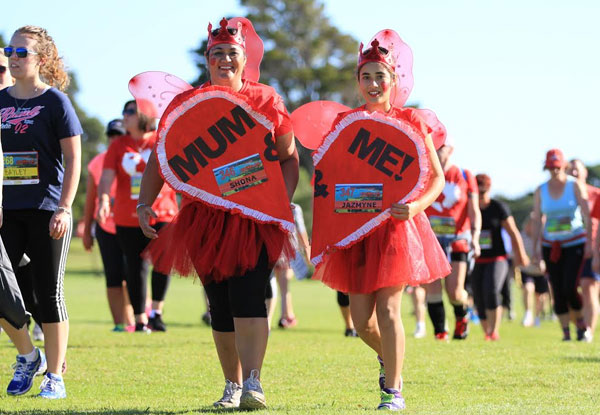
column 106, row 411
column 582, row 359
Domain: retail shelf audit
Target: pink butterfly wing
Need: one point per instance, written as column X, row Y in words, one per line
column 313, row 120
column 439, row 130
column 154, row 90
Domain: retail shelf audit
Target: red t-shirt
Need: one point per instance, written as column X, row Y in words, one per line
column 449, row 214
column 128, row 157
column 95, row 171
column 594, row 204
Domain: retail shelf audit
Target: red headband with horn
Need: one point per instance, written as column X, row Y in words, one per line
column 231, row 35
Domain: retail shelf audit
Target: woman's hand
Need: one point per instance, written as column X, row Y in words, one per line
column 88, row 241
column 103, row 210
column 144, row 213
column 405, row 211
column 59, row 223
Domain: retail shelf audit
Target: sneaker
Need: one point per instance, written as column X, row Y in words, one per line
column 119, row 328
column 231, row 396
column 25, row 372
column 443, row 336
column 38, row 334
column 350, row 333
column 381, row 373
column 156, row 323
column 391, row 400
column 584, row 335
column 206, row 318
column 537, row 322
column 492, row 337
column 461, row 329
column 287, row 323
column 142, row 328
column 53, row 387
column 253, row 396
column 419, row 331
column 528, row 320
column 473, row 316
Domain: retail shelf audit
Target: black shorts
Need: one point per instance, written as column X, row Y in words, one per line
column 540, row 282
column 587, row 271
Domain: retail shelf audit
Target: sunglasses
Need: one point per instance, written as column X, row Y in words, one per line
column 2, row 69
column 383, row 51
column 21, row 52
column 231, row 31
column 129, row 111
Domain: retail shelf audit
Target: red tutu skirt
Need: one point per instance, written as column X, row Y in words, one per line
column 214, row 244
column 397, row 253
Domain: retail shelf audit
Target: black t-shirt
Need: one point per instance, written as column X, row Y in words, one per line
column 31, row 134
column 490, row 240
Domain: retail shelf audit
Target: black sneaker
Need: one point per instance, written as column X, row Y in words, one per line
column 461, row 330
column 156, row 324
column 142, row 328
column 350, row 333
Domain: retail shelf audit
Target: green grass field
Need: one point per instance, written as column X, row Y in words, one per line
column 310, row 369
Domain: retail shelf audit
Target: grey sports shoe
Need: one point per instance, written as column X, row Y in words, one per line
column 231, row 396
column 253, row 396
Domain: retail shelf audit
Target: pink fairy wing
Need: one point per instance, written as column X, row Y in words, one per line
column 154, row 90
column 313, row 120
column 439, row 131
column 254, row 48
column 403, row 57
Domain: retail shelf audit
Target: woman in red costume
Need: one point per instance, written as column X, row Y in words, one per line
column 225, row 232
column 401, row 248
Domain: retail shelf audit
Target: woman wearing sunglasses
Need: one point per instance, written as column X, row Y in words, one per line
column 125, row 161
column 226, row 237
column 42, row 162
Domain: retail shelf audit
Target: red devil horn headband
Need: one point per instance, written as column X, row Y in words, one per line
column 231, row 35
column 375, row 54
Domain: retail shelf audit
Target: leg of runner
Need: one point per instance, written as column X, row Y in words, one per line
column 435, row 307
column 455, row 288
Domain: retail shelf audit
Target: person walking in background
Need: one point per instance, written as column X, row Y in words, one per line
column 125, row 161
column 113, row 259
column 588, row 279
column 491, row 267
column 562, row 227
column 40, row 130
column 6, row 79
column 456, row 220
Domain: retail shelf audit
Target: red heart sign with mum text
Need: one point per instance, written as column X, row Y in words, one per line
column 214, row 147
column 367, row 162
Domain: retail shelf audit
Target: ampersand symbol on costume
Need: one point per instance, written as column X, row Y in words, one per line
column 271, row 151
column 320, row 189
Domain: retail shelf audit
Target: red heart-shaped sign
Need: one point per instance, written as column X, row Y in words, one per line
column 214, row 147
column 367, row 162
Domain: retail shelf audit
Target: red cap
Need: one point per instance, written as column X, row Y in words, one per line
column 375, row 54
column 555, row 158
column 225, row 35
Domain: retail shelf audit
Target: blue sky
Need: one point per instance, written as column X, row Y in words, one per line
column 509, row 79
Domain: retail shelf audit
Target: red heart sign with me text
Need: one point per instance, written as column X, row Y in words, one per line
column 367, row 162
column 214, row 147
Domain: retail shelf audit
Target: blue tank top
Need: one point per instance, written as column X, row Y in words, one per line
column 563, row 216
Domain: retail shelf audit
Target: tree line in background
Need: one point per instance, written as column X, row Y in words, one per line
column 306, row 59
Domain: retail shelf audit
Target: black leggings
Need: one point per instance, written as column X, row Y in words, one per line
column 26, row 230
column 133, row 241
column 488, row 280
column 112, row 258
column 564, row 277
column 241, row 296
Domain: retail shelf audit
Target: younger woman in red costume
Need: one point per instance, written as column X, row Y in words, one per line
column 401, row 249
column 235, row 216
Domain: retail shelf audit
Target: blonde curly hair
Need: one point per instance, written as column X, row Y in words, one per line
column 52, row 71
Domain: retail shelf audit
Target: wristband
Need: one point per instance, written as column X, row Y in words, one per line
column 63, row 209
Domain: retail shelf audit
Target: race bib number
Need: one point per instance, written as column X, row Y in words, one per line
column 357, row 198
column 443, row 225
column 136, row 184
column 485, row 239
column 240, row 175
column 21, row 168
column 558, row 225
